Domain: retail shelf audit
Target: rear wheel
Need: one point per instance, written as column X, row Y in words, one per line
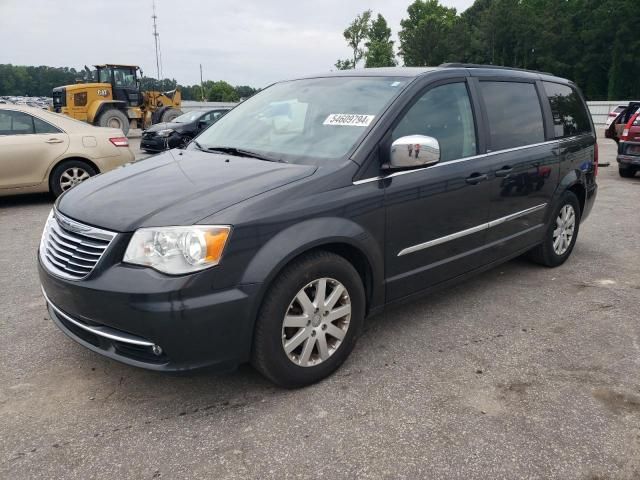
column 114, row 118
column 69, row 174
column 627, row 172
column 170, row 115
column 561, row 234
column 309, row 321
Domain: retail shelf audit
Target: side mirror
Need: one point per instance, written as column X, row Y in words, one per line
column 414, row 151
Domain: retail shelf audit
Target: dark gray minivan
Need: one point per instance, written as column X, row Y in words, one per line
column 311, row 206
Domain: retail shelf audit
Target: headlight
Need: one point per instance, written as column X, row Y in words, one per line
column 165, row 133
column 178, row 250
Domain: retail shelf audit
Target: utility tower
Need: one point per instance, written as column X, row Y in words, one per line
column 156, row 39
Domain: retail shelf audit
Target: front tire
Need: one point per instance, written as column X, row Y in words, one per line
column 69, row 174
column 561, row 233
column 309, row 321
column 114, row 118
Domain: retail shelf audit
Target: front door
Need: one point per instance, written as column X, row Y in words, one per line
column 436, row 216
column 28, row 146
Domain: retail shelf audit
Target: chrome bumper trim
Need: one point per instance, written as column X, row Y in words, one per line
column 104, row 332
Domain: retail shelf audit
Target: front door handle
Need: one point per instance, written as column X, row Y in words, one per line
column 54, row 140
column 504, row 171
column 476, row 178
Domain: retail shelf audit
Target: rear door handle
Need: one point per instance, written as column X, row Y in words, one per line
column 54, row 140
column 476, row 178
column 504, row 171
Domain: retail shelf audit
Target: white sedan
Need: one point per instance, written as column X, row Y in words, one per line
column 42, row 151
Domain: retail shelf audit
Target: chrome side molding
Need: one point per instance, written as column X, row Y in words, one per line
column 469, row 231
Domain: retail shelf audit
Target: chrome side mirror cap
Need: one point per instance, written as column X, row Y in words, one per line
column 414, row 151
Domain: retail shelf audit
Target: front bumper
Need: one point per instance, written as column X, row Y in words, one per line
column 143, row 318
column 159, row 144
column 154, row 144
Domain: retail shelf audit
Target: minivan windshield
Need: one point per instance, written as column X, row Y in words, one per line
column 317, row 119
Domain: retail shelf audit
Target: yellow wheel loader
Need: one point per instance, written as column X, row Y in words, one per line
column 113, row 98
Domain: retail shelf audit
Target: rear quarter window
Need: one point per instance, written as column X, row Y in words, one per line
column 44, row 127
column 514, row 114
column 570, row 115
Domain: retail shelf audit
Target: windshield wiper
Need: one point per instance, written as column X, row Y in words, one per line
column 200, row 147
column 239, row 152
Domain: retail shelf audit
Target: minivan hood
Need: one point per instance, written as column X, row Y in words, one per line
column 178, row 187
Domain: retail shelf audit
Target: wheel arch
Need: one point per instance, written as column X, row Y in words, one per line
column 60, row 161
column 337, row 235
column 573, row 182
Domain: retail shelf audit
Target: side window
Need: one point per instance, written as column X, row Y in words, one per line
column 15, row 123
column 569, row 114
column 444, row 113
column 5, row 122
column 514, row 113
column 44, row 127
column 206, row 117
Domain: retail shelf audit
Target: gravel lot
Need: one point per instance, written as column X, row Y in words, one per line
column 522, row 372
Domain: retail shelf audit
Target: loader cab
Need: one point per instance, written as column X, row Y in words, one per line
column 124, row 82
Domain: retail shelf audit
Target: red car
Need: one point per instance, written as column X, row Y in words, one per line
column 613, row 114
column 615, row 129
column 629, row 147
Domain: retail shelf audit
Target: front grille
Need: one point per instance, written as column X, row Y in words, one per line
column 71, row 249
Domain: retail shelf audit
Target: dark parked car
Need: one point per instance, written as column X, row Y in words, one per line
column 629, row 147
column 310, row 207
column 179, row 132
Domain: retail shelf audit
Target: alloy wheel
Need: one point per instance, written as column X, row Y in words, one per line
column 316, row 322
column 565, row 226
column 72, row 176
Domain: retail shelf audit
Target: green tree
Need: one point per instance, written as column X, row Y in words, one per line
column 244, row 91
column 344, row 64
column 220, row 91
column 164, row 85
column 34, row 81
column 379, row 45
column 426, row 36
column 355, row 34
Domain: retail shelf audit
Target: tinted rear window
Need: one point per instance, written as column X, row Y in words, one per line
column 570, row 116
column 515, row 116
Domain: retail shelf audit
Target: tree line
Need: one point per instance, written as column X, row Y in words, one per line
column 18, row 80
column 592, row 42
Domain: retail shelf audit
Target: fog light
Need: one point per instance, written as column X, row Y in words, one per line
column 157, row 350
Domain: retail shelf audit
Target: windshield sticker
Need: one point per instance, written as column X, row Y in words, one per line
column 349, row 119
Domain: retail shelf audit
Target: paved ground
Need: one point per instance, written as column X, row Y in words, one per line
column 522, row 372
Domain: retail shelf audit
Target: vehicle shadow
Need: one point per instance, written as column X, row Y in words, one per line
column 207, row 392
column 26, row 200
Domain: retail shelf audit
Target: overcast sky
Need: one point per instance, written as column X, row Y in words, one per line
column 245, row 42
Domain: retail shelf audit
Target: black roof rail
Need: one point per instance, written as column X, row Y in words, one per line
column 496, row 67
